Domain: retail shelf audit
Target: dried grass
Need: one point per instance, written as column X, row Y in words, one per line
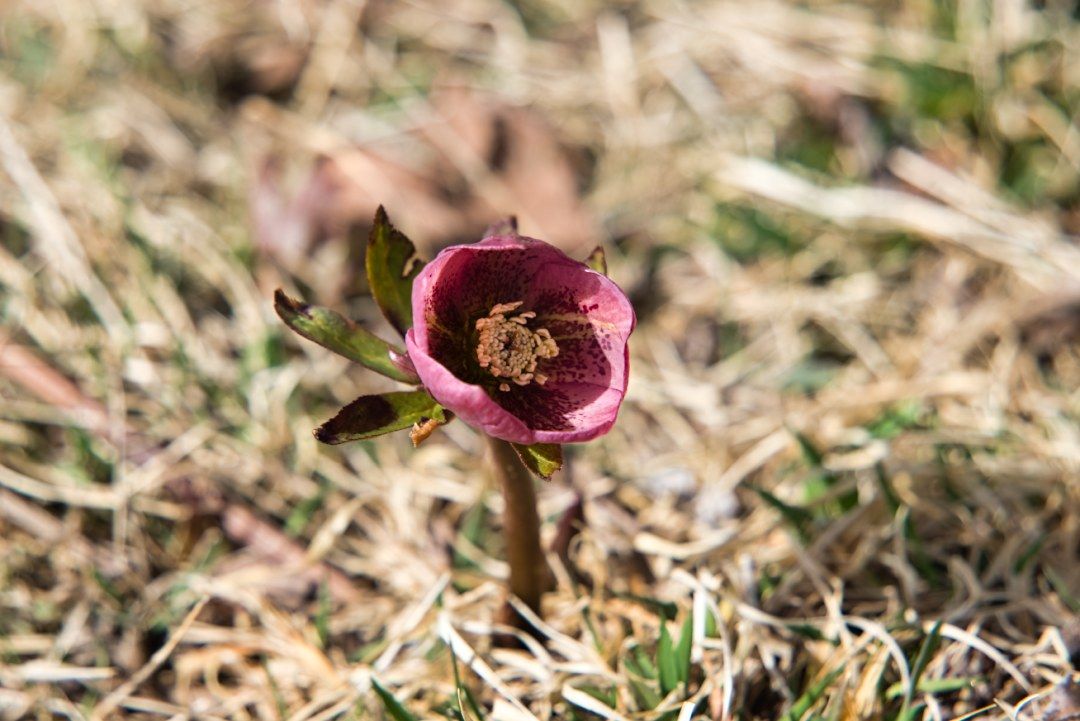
column 853, row 411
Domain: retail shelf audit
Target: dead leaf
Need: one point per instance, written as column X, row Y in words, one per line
column 485, row 159
column 521, row 151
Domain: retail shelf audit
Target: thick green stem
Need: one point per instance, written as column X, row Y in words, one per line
column 529, row 573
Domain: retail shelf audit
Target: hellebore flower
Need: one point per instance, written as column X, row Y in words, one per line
column 509, row 334
column 521, row 341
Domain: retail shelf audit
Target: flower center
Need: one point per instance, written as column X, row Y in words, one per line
column 508, row 349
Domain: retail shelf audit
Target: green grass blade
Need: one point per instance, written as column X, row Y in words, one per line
column 391, row 704
column 927, row 650
column 666, row 662
column 811, row 696
column 798, row 518
column 682, row 649
column 933, row 686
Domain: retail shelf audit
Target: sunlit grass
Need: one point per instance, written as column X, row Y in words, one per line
column 843, row 484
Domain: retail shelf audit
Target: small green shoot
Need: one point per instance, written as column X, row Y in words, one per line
column 926, row 651
column 391, row 704
column 666, row 663
column 811, row 696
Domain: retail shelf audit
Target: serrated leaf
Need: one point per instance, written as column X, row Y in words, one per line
column 597, row 260
column 335, row 332
column 543, row 459
column 392, row 266
column 370, row 416
column 666, row 663
column 391, row 704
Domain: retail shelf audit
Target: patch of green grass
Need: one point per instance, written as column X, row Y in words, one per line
column 820, row 482
column 304, row 511
column 810, row 696
column 474, row 528
column 798, row 518
column 897, row 419
column 29, row 51
column 810, row 375
column 809, row 144
column 1027, row 171
column 85, row 461
column 747, row 233
column 930, row 92
column 653, row 677
column 267, row 351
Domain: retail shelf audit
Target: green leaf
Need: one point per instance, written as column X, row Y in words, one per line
column 370, row 416
column 682, row 649
column 391, row 704
column 597, row 260
column 666, row 663
column 341, row 335
column 392, row 266
column 543, row 459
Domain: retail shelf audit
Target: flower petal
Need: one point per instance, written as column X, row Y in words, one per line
column 468, row 401
column 587, row 314
column 465, row 281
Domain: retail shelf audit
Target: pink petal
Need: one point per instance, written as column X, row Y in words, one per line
column 588, row 315
column 469, row 402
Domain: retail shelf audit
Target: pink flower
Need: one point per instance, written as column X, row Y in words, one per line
column 520, row 341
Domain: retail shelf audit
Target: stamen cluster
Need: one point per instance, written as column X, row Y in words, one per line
column 507, row 348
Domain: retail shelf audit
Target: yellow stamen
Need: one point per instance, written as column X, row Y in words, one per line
column 507, row 348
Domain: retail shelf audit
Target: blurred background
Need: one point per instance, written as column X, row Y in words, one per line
column 844, row 481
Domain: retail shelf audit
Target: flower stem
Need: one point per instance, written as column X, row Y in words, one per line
column 529, row 573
